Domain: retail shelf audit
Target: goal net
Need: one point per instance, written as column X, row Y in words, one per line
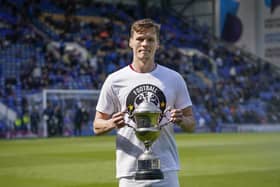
column 65, row 112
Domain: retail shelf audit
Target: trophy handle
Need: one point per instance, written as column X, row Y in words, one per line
column 129, row 117
column 164, row 115
column 127, row 124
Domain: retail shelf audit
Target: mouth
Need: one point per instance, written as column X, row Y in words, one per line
column 144, row 51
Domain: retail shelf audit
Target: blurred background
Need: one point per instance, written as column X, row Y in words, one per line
column 55, row 55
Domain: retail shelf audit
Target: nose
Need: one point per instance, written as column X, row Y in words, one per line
column 145, row 42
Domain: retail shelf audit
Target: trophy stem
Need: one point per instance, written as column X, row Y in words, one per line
column 147, row 145
column 148, row 150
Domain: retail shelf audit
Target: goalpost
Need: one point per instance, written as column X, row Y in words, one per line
column 69, row 101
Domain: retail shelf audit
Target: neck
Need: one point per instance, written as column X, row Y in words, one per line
column 142, row 67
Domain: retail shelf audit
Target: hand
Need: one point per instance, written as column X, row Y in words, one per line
column 184, row 118
column 176, row 115
column 117, row 120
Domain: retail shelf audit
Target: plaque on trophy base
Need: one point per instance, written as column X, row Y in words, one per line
column 148, row 167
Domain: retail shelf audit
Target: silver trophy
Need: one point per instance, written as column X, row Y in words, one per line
column 147, row 117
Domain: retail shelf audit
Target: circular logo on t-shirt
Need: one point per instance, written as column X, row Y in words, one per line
column 148, row 93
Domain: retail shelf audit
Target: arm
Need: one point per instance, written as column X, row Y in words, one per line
column 104, row 123
column 184, row 118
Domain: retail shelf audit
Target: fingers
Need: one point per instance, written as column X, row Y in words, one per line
column 118, row 120
column 176, row 115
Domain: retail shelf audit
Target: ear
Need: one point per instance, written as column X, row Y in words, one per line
column 158, row 46
column 129, row 43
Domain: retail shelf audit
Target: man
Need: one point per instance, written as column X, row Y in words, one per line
column 34, row 120
column 124, row 90
column 78, row 120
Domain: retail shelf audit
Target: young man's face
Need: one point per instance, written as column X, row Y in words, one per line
column 144, row 44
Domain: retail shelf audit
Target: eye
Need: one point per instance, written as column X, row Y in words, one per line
column 139, row 39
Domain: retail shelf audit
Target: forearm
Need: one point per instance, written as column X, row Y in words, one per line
column 187, row 124
column 102, row 126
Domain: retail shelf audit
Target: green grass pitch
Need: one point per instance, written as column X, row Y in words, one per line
column 207, row 160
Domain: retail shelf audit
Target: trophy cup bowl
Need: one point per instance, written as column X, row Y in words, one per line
column 147, row 117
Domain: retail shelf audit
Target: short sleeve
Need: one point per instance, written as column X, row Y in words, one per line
column 107, row 99
column 183, row 99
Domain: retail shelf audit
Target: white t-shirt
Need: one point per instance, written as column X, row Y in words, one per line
column 124, row 90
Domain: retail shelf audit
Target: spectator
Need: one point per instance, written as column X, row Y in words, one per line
column 34, row 120
column 78, row 120
column 58, row 120
column 48, row 117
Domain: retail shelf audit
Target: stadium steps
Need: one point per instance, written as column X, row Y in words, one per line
column 206, row 80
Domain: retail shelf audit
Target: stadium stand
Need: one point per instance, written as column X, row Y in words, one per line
column 226, row 85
